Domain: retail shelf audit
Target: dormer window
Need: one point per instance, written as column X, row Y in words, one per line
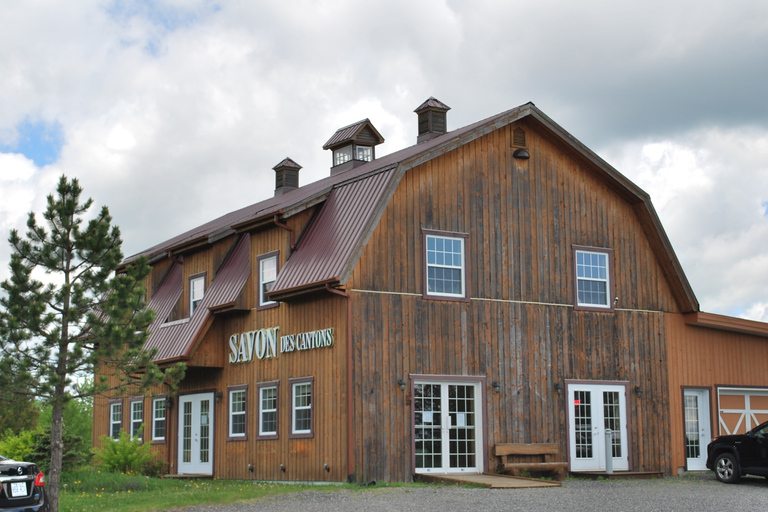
column 196, row 292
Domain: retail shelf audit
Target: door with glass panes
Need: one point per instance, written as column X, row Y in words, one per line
column 447, row 421
column 697, row 428
column 195, row 451
column 593, row 409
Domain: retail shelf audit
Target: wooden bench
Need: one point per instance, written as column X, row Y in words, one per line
column 533, row 457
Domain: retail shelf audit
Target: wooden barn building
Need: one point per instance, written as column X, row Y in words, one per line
column 499, row 283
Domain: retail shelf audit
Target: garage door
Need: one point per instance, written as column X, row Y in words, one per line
column 741, row 409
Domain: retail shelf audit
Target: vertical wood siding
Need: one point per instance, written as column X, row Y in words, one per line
column 518, row 329
column 702, row 357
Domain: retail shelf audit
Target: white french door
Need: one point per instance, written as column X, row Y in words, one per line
column 447, row 427
column 196, row 434
column 697, row 428
column 592, row 410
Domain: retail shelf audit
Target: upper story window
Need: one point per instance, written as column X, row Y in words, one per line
column 137, row 419
column 115, row 419
column 445, row 264
column 196, row 291
column 158, row 419
column 267, row 264
column 593, row 278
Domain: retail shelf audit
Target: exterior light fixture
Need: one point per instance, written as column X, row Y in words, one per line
column 219, row 396
column 639, row 391
column 326, row 468
column 558, row 388
column 282, row 468
column 401, row 383
column 521, row 154
column 496, row 386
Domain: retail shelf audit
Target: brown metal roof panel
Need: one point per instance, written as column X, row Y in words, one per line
column 334, row 234
column 176, row 340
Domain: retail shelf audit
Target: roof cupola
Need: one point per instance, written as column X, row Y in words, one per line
column 353, row 145
column 432, row 119
column 286, row 176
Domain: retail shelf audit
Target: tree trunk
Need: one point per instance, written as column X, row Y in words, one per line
column 53, row 481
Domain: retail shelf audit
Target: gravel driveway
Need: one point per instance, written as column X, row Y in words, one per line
column 694, row 494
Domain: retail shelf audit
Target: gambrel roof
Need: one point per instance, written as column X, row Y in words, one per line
column 352, row 202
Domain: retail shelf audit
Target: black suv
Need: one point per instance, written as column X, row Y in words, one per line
column 732, row 457
column 21, row 487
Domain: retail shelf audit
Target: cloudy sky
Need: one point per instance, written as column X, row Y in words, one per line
column 174, row 112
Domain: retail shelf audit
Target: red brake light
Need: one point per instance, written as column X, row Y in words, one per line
column 40, row 480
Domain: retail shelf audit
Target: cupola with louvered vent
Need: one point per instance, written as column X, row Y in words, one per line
column 433, row 119
column 286, row 176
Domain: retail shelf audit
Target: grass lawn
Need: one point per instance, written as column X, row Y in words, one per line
column 90, row 490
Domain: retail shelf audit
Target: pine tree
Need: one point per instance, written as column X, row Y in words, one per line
column 85, row 320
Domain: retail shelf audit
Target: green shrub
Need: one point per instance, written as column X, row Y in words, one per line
column 127, row 455
column 18, row 446
column 75, row 454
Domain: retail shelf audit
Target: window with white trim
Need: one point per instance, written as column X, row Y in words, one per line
column 342, row 155
column 237, row 412
column 301, row 407
column 267, row 278
column 137, row 419
column 158, row 419
column 115, row 419
column 196, row 292
column 364, row 153
column 593, row 278
column 268, row 411
column 445, row 264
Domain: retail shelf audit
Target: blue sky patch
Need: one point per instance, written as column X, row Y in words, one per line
column 166, row 18
column 39, row 141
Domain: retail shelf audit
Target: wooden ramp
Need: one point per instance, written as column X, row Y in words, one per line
column 489, row 480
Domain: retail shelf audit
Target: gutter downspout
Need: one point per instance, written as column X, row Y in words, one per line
column 350, row 404
column 287, row 228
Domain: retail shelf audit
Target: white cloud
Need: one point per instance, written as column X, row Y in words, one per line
column 174, row 112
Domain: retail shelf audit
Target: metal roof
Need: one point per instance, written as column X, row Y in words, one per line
column 176, row 340
column 350, row 132
column 336, row 233
column 313, row 193
column 433, row 103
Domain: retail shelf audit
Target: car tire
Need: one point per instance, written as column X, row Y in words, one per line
column 727, row 468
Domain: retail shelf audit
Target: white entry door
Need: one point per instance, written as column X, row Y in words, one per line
column 447, row 429
column 697, row 428
column 592, row 410
column 196, row 434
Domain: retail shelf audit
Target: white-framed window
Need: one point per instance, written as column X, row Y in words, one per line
column 137, row 419
column 237, row 409
column 115, row 419
column 342, row 155
column 445, row 265
column 196, row 292
column 268, row 411
column 158, row 419
column 267, row 276
column 301, row 407
column 593, row 278
column 364, row 153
